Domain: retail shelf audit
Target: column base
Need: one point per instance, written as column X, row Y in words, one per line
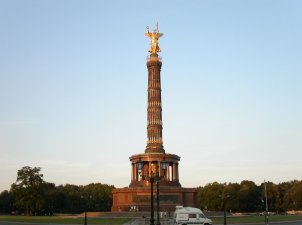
column 125, row 199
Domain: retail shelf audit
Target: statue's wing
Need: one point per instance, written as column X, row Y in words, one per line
column 148, row 34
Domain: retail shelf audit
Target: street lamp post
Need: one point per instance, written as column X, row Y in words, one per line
column 266, row 208
column 157, row 202
column 153, row 178
column 152, row 205
column 85, row 213
column 163, row 166
column 224, row 198
column 224, row 216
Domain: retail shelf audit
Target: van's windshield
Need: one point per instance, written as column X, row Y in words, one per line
column 202, row 216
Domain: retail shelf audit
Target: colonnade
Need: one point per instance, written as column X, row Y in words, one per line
column 151, row 168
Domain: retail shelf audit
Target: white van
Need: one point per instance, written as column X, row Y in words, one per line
column 190, row 215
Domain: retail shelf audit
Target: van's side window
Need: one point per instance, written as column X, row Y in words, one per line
column 192, row 215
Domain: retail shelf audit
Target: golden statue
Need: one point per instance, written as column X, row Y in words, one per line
column 154, row 39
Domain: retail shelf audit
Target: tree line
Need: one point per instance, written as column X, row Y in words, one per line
column 31, row 195
column 249, row 197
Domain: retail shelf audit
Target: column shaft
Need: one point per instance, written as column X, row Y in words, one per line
column 154, row 115
column 174, row 172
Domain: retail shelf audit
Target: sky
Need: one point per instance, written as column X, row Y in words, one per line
column 73, row 89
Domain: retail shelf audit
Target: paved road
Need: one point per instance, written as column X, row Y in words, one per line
column 137, row 222
column 21, row 223
column 271, row 223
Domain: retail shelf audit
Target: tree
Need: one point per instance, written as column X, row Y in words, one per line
column 248, row 196
column 98, row 196
column 27, row 189
column 230, row 194
column 283, row 189
column 67, row 199
column 273, row 196
column 6, row 202
column 47, row 192
column 209, row 196
column 293, row 196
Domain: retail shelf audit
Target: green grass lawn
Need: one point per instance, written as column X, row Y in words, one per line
column 119, row 221
column 255, row 219
column 65, row 220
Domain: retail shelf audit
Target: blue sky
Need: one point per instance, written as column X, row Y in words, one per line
column 73, row 88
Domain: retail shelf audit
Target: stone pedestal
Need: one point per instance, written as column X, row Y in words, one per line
column 127, row 199
column 137, row 195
